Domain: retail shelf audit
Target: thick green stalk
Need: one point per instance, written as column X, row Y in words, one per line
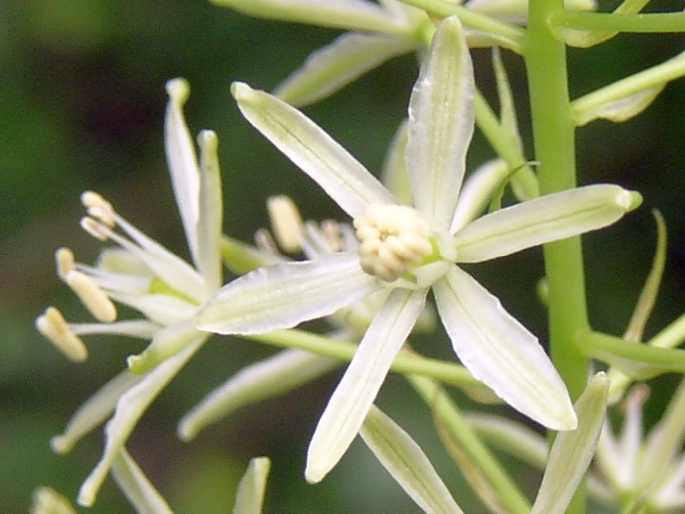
column 554, row 135
column 553, row 131
column 633, row 22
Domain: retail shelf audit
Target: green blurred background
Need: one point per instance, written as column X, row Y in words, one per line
column 82, row 108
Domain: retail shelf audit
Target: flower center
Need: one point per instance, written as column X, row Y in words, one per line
column 392, row 237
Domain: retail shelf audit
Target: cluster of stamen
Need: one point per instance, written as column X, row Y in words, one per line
column 99, row 223
column 392, row 237
column 292, row 235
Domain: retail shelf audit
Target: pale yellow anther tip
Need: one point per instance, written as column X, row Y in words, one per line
column 286, row 222
column 92, row 296
column 64, row 259
column 331, row 233
column 95, row 228
column 98, row 207
column 55, row 329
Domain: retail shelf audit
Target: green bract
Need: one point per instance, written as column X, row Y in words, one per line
column 495, row 347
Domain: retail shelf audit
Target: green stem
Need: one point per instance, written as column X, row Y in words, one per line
column 554, row 135
column 642, row 23
column 510, row 497
column 553, row 131
column 508, row 35
column 654, row 77
column 640, row 361
column 405, row 363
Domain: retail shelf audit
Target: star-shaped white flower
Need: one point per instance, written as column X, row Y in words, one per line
column 410, row 250
column 645, row 470
column 142, row 274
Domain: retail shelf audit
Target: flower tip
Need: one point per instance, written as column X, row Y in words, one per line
column 186, row 431
column 629, row 200
column 239, row 90
column 601, row 379
column 208, row 140
column 61, row 444
column 314, row 475
column 178, row 90
column 138, row 364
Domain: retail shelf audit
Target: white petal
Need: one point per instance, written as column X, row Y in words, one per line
column 513, row 437
column 136, row 486
column 441, row 121
column 542, row 220
column 94, row 411
column 284, row 295
column 394, row 175
column 48, row 501
column 264, row 379
column 622, row 109
column 130, row 407
column 572, row 451
column 342, row 14
column 210, row 221
column 166, row 265
column 477, row 192
column 163, row 309
column 250, row 495
column 166, row 343
column 334, row 66
column 498, row 350
column 407, row 463
column 360, row 384
column 183, row 167
column 339, row 174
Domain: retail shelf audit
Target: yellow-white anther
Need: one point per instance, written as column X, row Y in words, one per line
column 96, row 229
column 53, row 327
column 286, row 223
column 92, row 296
column 265, row 242
column 392, row 238
column 99, row 208
column 64, row 258
column 331, row 233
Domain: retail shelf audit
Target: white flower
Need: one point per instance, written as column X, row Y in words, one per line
column 646, row 471
column 144, row 275
column 378, row 32
column 410, row 250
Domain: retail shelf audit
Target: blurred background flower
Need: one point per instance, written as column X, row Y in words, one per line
column 82, row 107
